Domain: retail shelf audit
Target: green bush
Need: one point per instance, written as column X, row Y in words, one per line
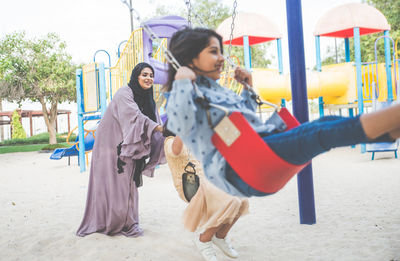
column 18, row 131
column 42, row 138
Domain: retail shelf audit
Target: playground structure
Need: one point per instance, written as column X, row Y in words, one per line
column 337, row 84
column 332, row 84
column 348, row 85
column 96, row 84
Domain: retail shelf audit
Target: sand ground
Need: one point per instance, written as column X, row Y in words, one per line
column 357, row 207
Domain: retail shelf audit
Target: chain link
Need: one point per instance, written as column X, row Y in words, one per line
column 228, row 57
column 189, row 7
column 192, row 13
column 232, row 27
column 172, row 60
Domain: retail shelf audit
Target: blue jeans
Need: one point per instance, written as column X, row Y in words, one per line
column 300, row 145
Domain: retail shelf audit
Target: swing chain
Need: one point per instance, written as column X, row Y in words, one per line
column 191, row 12
column 232, row 27
column 228, row 57
column 175, row 64
column 189, row 8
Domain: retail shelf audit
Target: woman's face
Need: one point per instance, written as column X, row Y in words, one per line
column 146, row 78
column 210, row 60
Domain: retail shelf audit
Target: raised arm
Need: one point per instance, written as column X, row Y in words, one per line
column 181, row 107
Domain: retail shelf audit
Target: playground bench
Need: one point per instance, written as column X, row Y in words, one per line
column 382, row 147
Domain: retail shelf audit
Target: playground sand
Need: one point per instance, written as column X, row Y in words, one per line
column 357, row 206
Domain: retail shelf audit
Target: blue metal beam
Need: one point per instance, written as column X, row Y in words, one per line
column 102, row 89
column 388, row 64
column 247, row 53
column 347, row 49
column 280, row 63
column 300, row 103
column 357, row 55
column 318, row 52
column 79, row 101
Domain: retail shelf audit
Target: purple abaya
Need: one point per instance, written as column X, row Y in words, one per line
column 112, row 199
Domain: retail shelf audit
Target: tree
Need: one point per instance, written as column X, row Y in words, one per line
column 210, row 13
column 18, row 131
column 37, row 70
column 1, row 119
column 391, row 10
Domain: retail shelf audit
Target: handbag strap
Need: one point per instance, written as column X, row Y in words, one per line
column 190, row 165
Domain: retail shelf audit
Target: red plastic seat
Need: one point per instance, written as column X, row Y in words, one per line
column 253, row 160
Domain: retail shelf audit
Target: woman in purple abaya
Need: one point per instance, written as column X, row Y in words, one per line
column 129, row 143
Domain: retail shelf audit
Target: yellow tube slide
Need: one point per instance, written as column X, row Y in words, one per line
column 332, row 84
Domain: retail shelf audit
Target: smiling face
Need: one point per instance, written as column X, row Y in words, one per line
column 146, row 78
column 210, row 61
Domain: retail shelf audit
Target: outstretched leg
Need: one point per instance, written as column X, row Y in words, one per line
column 303, row 143
column 383, row 121
column 300, row 145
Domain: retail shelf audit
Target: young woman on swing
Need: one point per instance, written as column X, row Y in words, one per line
column 199, row 52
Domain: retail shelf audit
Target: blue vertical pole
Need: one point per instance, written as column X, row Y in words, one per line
column 79, row 101
column 280, row 63
column 351, row 114
column 319, row 68
column 388, row 63
column 318, row 52
column 357, row 55
column 102, row 89
column 247, row 53
column 300, row 104
column 347, row 49
column 283, row 103
column 347, row 53
column 321, row 106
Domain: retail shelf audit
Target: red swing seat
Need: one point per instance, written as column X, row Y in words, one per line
column 253, row 160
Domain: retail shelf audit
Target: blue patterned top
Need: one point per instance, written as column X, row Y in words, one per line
column 188, row 120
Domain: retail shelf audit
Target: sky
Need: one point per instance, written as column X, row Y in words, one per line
column 91, row 25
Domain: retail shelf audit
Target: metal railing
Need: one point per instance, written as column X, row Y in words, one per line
column 369, row 79
column 159, row 55
column 131, row 55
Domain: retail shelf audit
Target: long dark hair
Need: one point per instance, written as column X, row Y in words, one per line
column 185, row 45
column 143, row 98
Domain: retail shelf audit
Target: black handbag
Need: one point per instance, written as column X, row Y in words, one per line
column 190, row 181
column 140, row 164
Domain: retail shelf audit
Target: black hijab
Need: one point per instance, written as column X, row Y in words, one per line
column 143, row 98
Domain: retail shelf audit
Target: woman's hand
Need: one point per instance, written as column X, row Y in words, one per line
column 185, row 73
column 159, row 128
column 243, row 76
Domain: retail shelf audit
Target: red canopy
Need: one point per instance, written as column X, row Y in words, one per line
column 340, row 21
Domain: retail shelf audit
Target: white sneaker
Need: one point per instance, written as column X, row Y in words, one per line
column 225, row 245
column 206, row 249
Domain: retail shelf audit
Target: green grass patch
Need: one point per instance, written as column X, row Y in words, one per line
column 42, row 138
column 31, row 147
column 55, row 146
column 20, row 148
